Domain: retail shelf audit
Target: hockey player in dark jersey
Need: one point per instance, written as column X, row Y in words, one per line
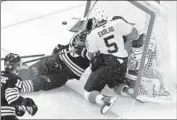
column 55, row 71
column 12, row 103
column 63, row 65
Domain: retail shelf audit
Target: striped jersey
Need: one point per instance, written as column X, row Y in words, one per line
column 10, row 86
column 76, row 64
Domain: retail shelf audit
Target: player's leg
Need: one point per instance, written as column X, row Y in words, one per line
column 45, row 75
column 93, row 88
column 117, row 79
column 50, row 81
column 94, row 81
column 34, row 69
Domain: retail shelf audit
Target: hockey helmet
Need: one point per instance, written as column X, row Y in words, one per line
column 12, row 61
column 92, row 23
column 79, row 39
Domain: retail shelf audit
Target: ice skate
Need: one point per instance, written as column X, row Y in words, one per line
column 108, row 103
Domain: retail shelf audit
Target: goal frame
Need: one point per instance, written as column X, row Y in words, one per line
column 146, row 42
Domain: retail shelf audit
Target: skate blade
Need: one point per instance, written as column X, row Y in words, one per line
column 107, row 108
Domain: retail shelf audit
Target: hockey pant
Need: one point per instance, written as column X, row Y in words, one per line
column 110, row 72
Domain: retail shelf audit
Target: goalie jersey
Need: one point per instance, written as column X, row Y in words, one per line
column 10, row 87
column 77, row 65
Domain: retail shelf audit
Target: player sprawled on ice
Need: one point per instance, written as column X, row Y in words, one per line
column 105, row 47
column 12, row 103
column 63, row 65
column 56, row 70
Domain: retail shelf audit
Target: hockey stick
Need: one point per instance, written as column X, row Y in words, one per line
column 28, row 56
column 85, row 24
column 46, row 57
column 36, row 59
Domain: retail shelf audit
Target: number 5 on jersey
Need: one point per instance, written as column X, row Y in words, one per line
column 110, row 44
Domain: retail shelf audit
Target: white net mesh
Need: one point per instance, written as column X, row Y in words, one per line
column 157, row 58
column 105, row 9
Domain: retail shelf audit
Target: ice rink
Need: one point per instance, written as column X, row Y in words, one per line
column 35, row 27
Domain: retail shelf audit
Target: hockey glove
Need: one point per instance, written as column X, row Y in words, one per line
column 57, row 49
column 139, row 42
column 19, row 110
column 53, row 65
column 30, row 106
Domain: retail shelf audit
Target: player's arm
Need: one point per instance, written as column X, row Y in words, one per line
column 93, row 52
column 13, row 97
column 27, row 86
column 12, row 92
column 91, row 46
column 127, row 30
column 58, row 48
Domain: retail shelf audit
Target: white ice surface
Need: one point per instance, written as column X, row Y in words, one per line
column 41, row 35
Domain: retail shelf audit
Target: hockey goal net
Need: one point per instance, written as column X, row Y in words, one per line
column 146, row 69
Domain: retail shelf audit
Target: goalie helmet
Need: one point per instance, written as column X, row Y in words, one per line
column 12, row 62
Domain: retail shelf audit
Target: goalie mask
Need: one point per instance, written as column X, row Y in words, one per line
column 12, row 62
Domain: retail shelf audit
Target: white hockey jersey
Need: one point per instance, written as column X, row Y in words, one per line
column 108, row 39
